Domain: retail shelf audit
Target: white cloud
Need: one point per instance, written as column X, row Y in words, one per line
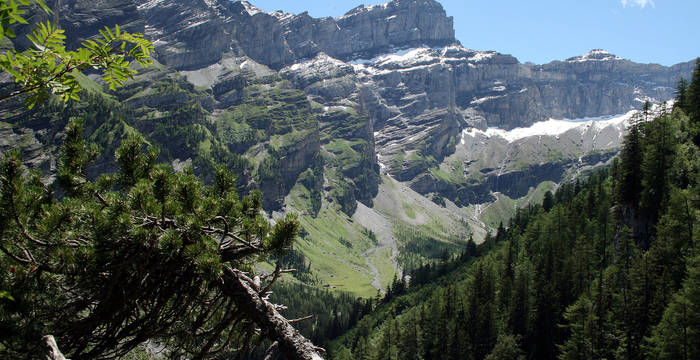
column 641, row 3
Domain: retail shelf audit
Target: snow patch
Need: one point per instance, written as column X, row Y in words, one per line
column 281, row 15
column 197, row 23
column 595, row 55
column 250, row 9
column 485, row 99
column 395, row 54
column 416, row 57
column 380, row 6
column 481, row 56
column 149, row 4
column 413, row 56
column 320, row 59
column 361, row 9
column 553, row 127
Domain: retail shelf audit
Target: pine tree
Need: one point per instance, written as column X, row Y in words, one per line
column 626, row 254
column 659, row 147
column 579, row 345
column 630, row 185
column 480, row 315
column 506, row 348
column 682, row 94
column 645, row 110
column 408, row 339
column 676, row 336
column 471, row 248
column 548, row 201
column 518, row 321
column 692, row 104
column 693, row 100
column 143, row 254
column 543, row 336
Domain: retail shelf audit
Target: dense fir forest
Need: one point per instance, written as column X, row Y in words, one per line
column 605, row 268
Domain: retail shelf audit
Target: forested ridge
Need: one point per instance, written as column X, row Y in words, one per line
column 606, row 267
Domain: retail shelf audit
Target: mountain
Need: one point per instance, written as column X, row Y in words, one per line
column 379, row 127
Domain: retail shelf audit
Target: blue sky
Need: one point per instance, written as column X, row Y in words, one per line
column 647, row 31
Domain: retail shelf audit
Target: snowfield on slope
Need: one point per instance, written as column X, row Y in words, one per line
column 553, row 127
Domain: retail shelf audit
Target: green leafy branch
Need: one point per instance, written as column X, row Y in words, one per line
column 11, row 13
column 48, row 68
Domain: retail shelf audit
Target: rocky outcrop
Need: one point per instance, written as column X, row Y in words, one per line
column 595, row 84
column 297, row 158
column 82, row 19
column 28, row 142
column 461, row 194
column 192, row 34
column 516, row 184
column 290, row 162
column 366, row 31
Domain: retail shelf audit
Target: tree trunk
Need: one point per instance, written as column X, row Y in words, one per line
column 52, row 352
column 290, row 342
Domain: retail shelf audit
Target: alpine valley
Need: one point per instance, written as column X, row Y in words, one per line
column 453, row 203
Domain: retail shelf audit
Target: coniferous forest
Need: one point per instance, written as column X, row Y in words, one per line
column 607, row 267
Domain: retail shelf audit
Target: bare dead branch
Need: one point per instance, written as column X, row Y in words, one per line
column 271, row 351
column 272, row 282
column 27, row 260
column 102, row 199
column 27, row 235
column 293, row 321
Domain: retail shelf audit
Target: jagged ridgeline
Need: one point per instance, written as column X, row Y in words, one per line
column 378, row 127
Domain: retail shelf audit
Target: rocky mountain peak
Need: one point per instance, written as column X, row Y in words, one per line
column 249, row 8
column 430, row 5
column 367, row 31
column 595, row 55
column 279, row 39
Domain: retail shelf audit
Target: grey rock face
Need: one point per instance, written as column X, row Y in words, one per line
column 595, row 84
column 427, row 95
column 192, row 34
column 365, row 31
column 484, row 88
column 188, row 34
column 83, row 19
column 28, row 143
column 516, row 184
column 293, row 161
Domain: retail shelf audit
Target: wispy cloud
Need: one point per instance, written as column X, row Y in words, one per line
column 641, row 3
